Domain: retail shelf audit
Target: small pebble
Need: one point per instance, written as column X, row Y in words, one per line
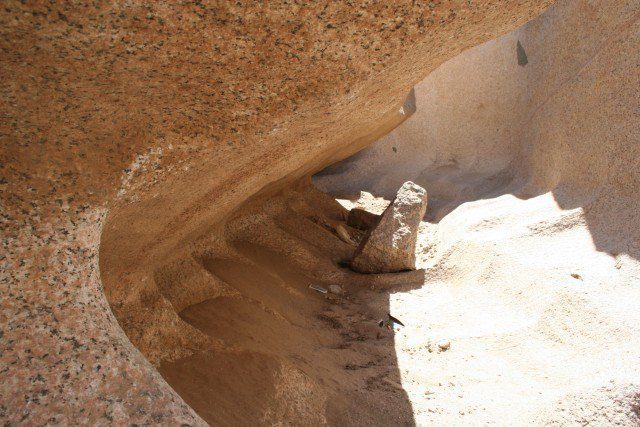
column 444, row 345
column 336, row 289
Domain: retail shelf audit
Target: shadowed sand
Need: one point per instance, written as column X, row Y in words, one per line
column 531, row 244
column 285, row 352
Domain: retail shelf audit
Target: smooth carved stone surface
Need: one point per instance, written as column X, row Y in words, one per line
column 390, row 246
column 131, row 129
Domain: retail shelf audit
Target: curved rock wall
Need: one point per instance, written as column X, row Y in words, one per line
column 552, row 104
column 531, row 245
column 160, row 119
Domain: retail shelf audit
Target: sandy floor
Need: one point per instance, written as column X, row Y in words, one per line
column 530, row 240
column 281, row 352
column 542, row 326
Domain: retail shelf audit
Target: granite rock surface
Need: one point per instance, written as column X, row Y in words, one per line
column 131, row 130
column 362, row 219
column 390, row 245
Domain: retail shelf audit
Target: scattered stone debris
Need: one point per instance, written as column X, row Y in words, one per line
column 390, row 246
column 336, row 289
column 439, row 347
column 318, row 288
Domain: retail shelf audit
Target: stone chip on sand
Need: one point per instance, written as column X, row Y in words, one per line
column 390, row 246
column 444, row 345
column 336, row 289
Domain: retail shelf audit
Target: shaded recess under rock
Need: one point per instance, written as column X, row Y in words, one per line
column 304, row 355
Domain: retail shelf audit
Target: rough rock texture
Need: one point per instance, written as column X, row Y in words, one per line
column 131, row 129
column 391, row 245
column 565, row 117
column 362, row 219
column 531, row 241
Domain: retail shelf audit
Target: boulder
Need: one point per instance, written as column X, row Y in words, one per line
column 390, row 246
column 361, row 219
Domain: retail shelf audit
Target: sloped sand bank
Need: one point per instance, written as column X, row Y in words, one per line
column 531, row 242
column 279, row 351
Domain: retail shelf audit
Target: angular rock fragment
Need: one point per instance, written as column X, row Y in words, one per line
column 390, row 246
column 361, row 219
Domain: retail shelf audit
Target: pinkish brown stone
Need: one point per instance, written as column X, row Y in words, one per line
column 390, row 246
column 362, row 219
column 130, row 129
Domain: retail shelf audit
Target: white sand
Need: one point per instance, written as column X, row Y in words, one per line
column 525, row 334
column 531, row 239
column 543, row 327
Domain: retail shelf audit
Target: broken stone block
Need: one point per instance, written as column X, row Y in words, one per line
column 361, row 219
column 390, row 246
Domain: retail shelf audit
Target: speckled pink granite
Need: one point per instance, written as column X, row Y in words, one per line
column 165, row 116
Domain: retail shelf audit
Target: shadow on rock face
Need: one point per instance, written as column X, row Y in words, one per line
column 566, row 124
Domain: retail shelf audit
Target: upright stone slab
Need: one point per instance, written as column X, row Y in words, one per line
column 390, row 246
